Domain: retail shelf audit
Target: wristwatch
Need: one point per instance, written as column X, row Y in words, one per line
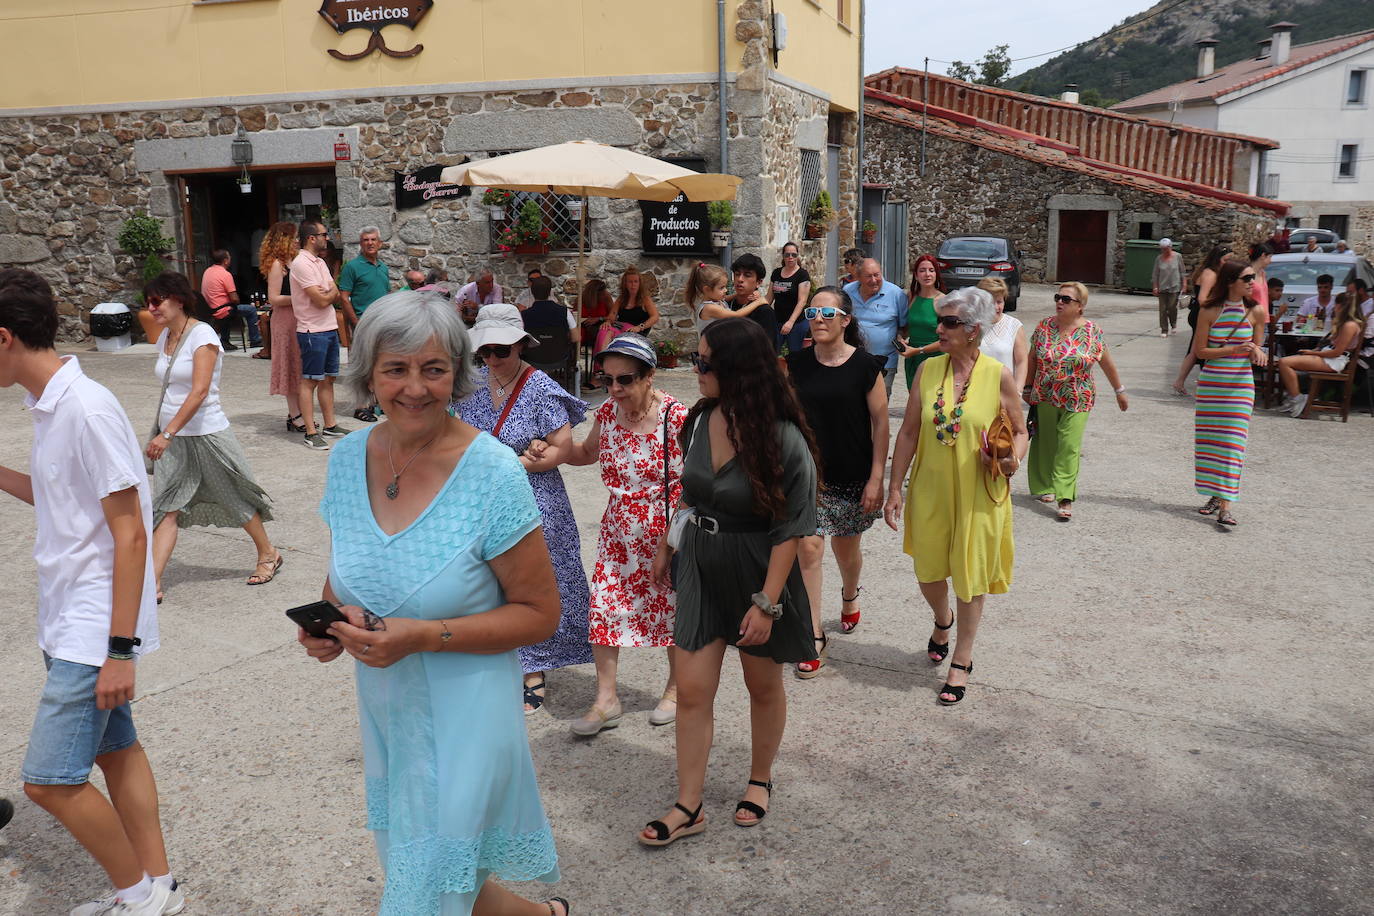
column 168, row 435
column 121, row 648
column 763, row 604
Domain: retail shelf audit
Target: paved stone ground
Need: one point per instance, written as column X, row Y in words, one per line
column 1164, row 718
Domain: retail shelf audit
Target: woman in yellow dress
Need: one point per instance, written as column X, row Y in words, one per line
column 955, row 529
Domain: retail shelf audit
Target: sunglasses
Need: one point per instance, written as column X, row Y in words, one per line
column 1064, row 299
column 789, row 254
column 500, row 351
column 812, row 312
column 1247, row 278
column 154, row 301
column 701, row 364
column 624, row 381
column 951, row 321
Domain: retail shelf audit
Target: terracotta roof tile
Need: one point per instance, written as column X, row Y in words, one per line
column 1053, row 156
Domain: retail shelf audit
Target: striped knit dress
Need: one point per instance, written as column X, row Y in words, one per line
column 1225, row 400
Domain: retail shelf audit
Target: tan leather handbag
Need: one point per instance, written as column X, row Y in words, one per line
column 1001, row 439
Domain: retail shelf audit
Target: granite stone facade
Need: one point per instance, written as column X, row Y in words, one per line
column 68, row 181
column 968, row 188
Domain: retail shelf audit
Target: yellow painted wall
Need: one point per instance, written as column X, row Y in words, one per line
column 88, row 52
column 820, row 51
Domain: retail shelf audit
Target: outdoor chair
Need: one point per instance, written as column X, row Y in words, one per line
column 1345, row 384
column 553, row 355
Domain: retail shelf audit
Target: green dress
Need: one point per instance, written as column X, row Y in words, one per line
column 920, row 332
column 719, row 573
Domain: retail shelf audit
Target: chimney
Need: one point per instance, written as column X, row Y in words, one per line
column 1282, row 42
column 1206, row 56
column 1263, row 48
column 1070, row 93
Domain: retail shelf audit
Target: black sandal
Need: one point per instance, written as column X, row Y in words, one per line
column 1211, row 508
column 535, row 700
column 750, row 807
column 940, row 649
column 552, row 900
column 956, row 692
column 292, row 426
column 1225, row 520
column 664, row 837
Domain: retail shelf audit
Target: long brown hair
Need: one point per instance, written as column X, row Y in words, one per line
column 1229, row 272
column 1347, row 309
column 754, row 397
column 279, row 244
column 642, row 298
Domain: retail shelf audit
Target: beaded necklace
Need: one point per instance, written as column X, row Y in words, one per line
column 947, row 427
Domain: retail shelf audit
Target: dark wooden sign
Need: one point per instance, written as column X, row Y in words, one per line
column 421, row 187
column 675, row 228
column 375, row 15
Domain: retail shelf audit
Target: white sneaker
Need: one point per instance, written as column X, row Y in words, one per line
column 162, row 902
column 1163, row 333
column 1173, row 331
column 1299, row 403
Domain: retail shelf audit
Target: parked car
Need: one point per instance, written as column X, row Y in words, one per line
column 1299, row 272
column 966, row 259
column 1326, row 240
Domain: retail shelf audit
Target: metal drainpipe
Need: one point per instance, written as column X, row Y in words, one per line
column 859, row 151
column 722, row 97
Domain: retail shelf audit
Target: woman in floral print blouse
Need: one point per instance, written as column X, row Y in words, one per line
column 1063, row 351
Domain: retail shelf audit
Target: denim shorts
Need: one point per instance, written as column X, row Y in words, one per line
column 69, row 732
column 319, row 353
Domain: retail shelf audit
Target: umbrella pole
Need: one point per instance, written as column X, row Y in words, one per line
column 581, row 283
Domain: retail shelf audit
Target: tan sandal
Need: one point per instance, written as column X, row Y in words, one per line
column 596, row 721
column 259, row 578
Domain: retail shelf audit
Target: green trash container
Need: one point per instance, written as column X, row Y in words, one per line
column 1140, row 263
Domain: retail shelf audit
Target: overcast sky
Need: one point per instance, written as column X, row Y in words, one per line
column 900, row 33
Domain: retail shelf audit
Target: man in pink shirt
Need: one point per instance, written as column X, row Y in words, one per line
column 313, row 293
column 217, row 286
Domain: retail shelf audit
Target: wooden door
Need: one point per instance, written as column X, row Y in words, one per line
column 1082, row 246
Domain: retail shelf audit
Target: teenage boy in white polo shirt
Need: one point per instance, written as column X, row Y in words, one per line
column 96, row 605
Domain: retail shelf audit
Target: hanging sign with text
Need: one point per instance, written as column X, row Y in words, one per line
column 374, row 15
column 675, row 228
column 422, row 187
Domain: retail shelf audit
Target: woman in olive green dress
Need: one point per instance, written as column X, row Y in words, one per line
column 926, row 293
column 749, row 474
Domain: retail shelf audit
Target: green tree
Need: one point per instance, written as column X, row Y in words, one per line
column 992, row 69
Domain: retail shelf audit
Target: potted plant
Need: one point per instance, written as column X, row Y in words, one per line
column 574, row 206
column 141, row 236
column 870, row 232
column 245, row 185
column 721, row 213
column 527, row 234
column 819, row 216
column 496, row 200
column 667, row 352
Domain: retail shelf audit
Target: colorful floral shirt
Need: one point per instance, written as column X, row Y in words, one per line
column 1064, row 365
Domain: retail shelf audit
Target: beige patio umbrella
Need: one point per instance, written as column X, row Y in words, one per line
column 586, row 168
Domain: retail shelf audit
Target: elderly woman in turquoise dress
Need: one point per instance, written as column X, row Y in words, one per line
column 440, row 566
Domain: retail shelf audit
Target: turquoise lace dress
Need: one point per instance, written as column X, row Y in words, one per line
column 451, row 791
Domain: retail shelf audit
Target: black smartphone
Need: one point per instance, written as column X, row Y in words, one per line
column 315, row 618
column 899, row 342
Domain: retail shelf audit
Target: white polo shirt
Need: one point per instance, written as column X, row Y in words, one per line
column 83, row 450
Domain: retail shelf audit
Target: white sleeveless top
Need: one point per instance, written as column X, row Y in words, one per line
column 1000, row 340
column 698, row 321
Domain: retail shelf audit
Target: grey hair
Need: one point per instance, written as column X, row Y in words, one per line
column 404, row 322
column 975, row 306
column 482, row 272
column 369, row 230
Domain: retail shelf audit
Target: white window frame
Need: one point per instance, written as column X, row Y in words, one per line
column 1354, row 162
column 1363, row 101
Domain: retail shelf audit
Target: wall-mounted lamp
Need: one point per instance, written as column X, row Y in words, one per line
column 241, row 152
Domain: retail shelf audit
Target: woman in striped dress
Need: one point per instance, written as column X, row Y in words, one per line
column 1225, row 341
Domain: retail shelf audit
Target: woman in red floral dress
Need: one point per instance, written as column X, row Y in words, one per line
column 627, row 438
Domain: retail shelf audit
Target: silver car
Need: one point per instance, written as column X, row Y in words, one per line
column 1297, row 240
column 1299, row 271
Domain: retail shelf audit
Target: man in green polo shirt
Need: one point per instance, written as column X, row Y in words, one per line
column 363, row 281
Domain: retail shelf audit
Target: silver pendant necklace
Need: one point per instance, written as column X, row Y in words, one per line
column 393, row 489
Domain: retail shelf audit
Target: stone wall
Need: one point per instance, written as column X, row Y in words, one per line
column 68, row 181
column 971, row 189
